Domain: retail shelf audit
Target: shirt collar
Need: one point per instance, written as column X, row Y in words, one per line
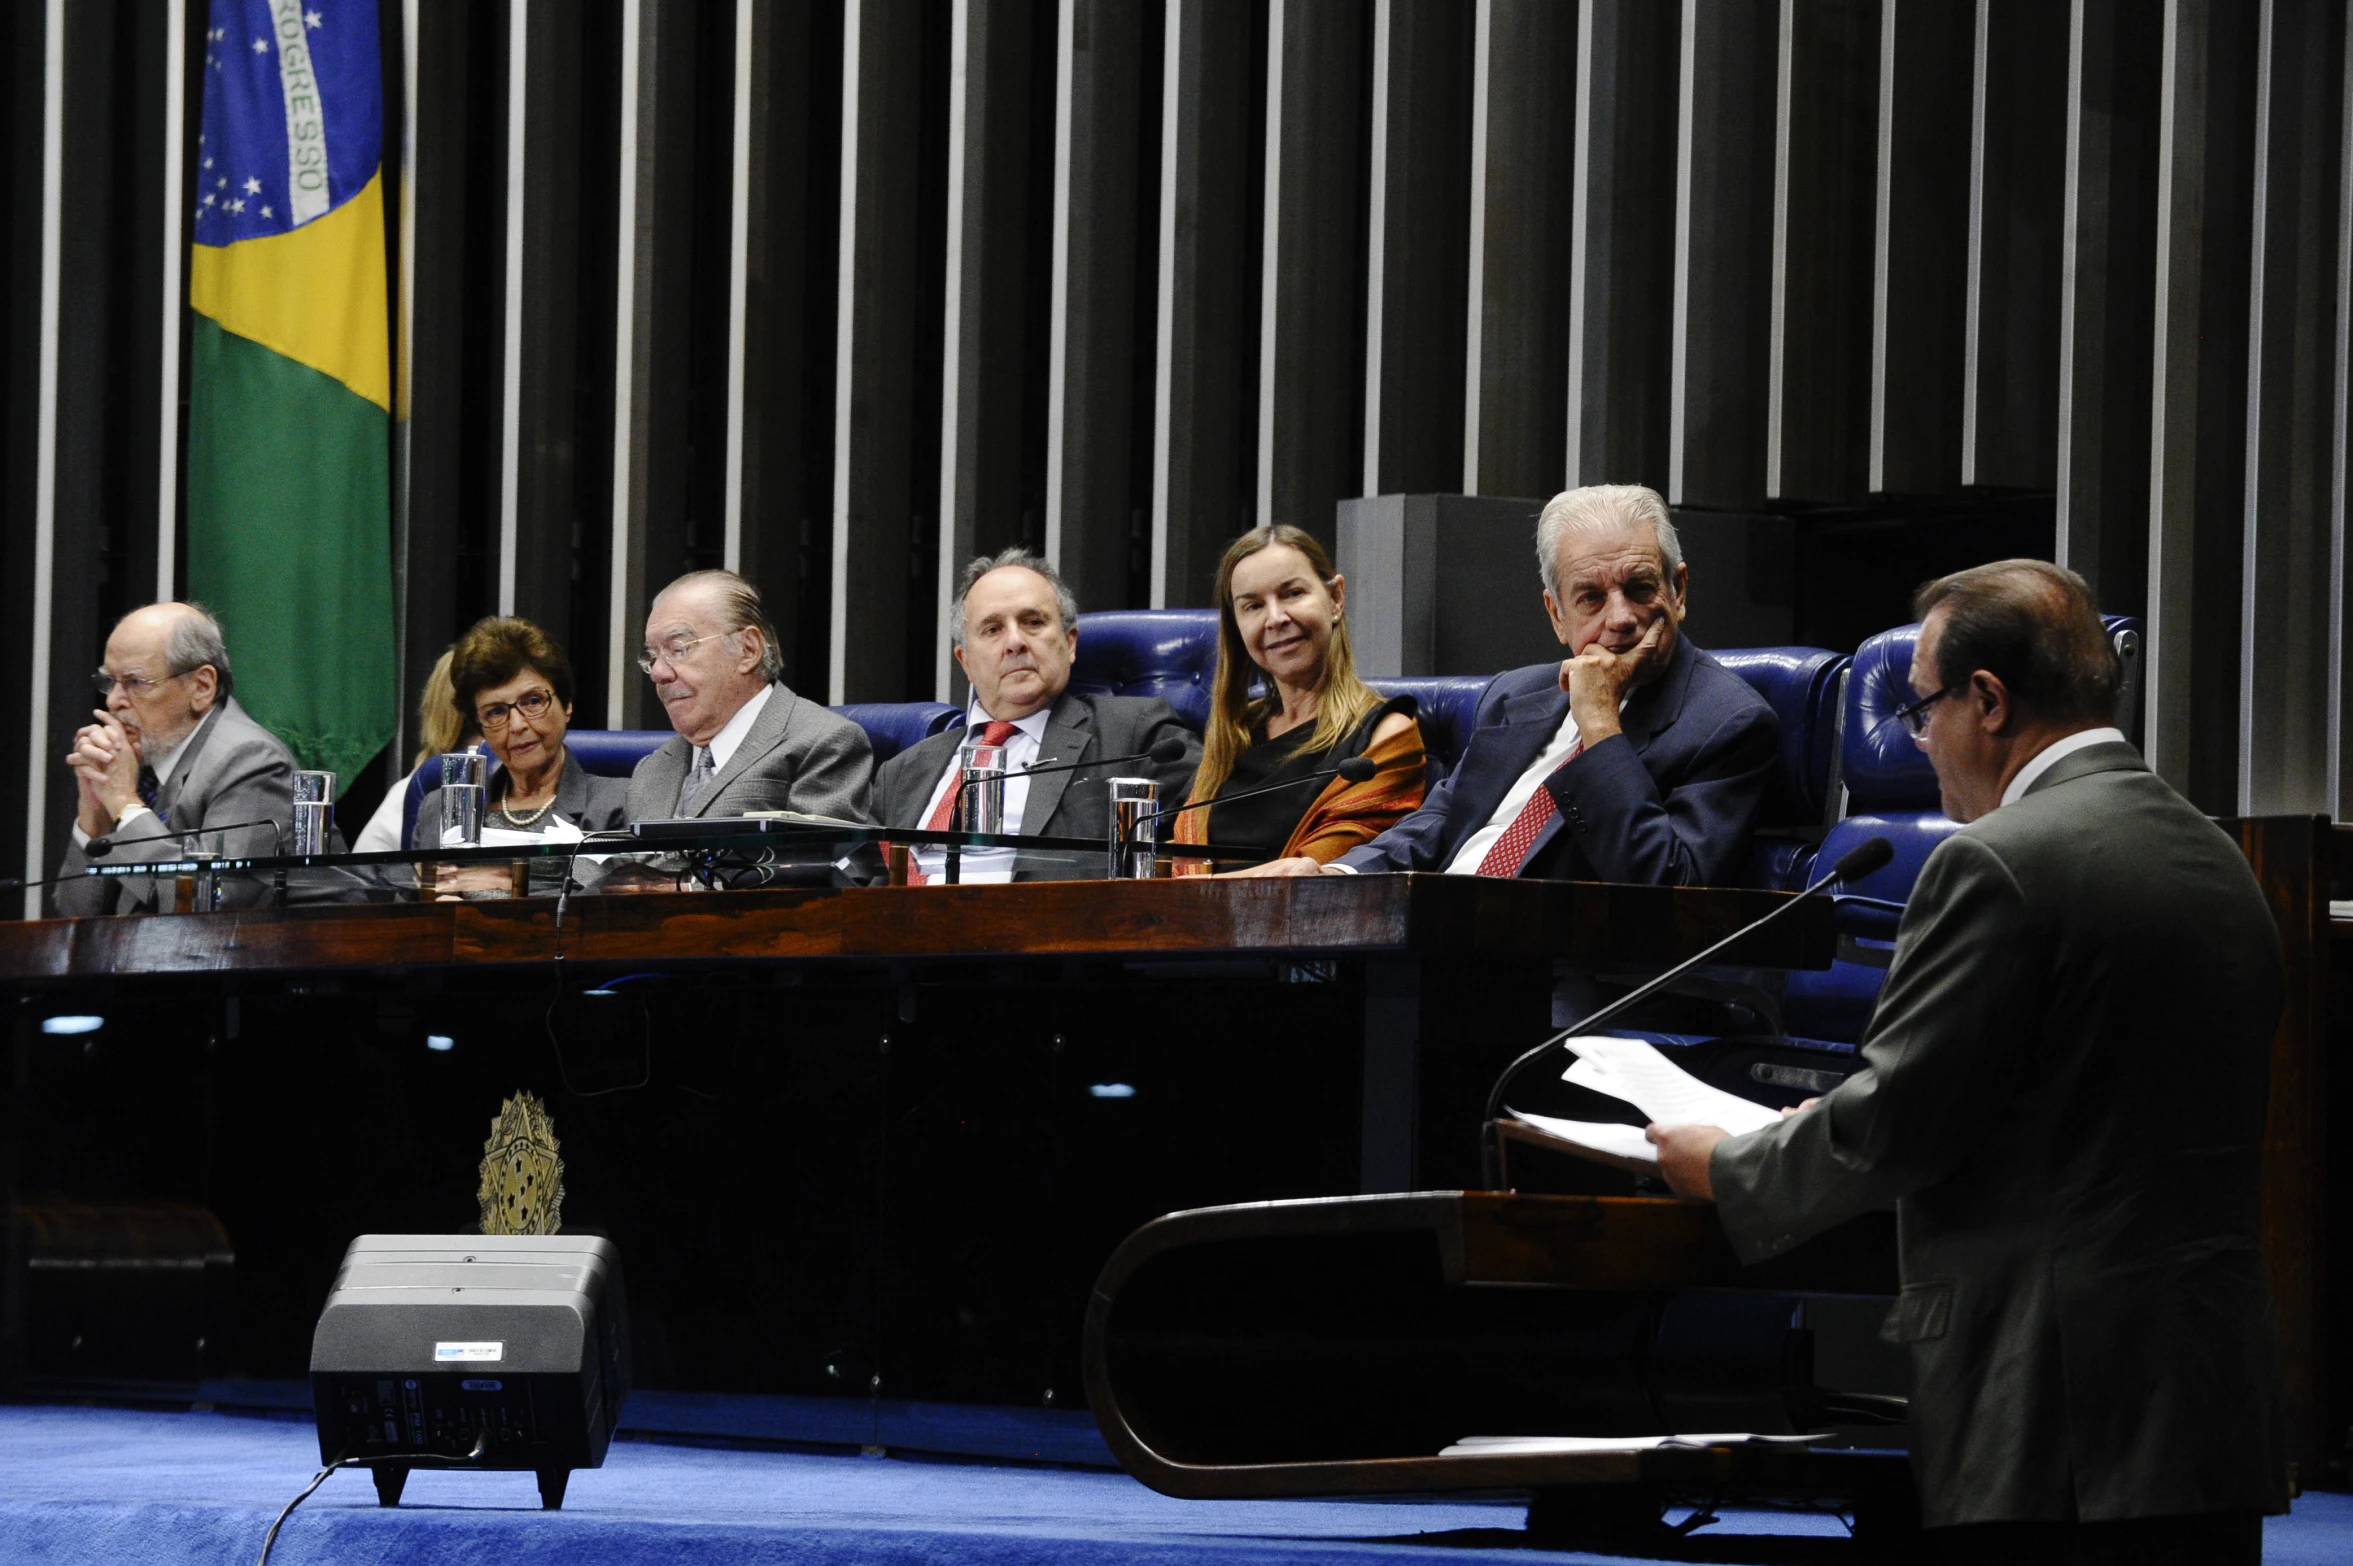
column 724, row 744
column 2052, row 754
column 1034, row 725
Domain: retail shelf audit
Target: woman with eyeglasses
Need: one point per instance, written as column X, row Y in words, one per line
column 511, row 680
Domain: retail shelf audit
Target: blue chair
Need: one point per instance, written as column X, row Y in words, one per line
column 1169, row 653
column 614, row 753
column 1803, row 686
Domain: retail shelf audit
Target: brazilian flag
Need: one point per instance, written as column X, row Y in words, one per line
column 290, row 394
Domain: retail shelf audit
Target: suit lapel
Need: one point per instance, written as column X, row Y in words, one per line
column 665, row 769
column 1648, row 713
column 1070, row 731
column 168, row 797
column 767, row 730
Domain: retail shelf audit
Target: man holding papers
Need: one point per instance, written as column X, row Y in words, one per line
column 2064, row 1099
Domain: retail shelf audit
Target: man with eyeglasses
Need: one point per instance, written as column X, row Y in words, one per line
column 2063, row 1098
column 746, row 741
column 169, row 752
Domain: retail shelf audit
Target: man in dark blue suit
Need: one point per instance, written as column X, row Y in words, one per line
column 1640, row 758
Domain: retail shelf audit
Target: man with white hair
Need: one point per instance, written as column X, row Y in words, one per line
column 171, row 763
column 746, row 740
column 1638, row 759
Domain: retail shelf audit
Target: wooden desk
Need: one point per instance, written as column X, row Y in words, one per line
column 886, row 1133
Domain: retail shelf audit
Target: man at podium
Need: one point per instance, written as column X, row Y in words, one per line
column 2064, row 1100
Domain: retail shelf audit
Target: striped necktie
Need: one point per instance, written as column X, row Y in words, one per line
column 697, row 780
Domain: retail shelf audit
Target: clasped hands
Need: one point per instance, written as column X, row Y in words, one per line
column 105, row 765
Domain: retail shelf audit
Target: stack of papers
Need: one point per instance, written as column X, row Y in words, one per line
column 1560, row 1446
column 1635, row 1071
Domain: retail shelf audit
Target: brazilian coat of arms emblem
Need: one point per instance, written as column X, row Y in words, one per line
column 522, row 1175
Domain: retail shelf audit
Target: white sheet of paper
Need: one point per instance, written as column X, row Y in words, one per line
column 1634, row 1070
column 1547, row 1446
column 1601, row 1135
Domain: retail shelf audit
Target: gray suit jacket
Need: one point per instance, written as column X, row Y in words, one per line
column 2065, row 1095
column 1072, row 803
column 797, row 757
column 232, row 770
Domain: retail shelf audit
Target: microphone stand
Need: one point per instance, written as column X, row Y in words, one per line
column 1355, row 769
column 1858, row 863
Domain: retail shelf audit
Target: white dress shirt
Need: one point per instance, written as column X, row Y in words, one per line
column 1467, row 858
column 729, row 739
column 163, row 766
column 986, row 866
column 2051, row 755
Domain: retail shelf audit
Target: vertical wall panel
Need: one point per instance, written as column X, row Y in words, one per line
column 1416, row 236
column 1622, row 242
column 1723, row 253
column 874, row 352
column 2340, row 673
column 1920, row 276
column 2292, row 434
column 2017, row 196
column 1311, row 301
column 1090, row 373
column 1826, row 111
column 1515, row 415
column 1206, row 389
column 2107, row 300
column 2198, row 388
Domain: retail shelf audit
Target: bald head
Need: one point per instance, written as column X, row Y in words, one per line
column 168, row 667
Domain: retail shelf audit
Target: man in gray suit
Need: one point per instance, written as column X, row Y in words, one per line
column 169, row 755
column 1014, row 631
column 2064, row 1096
column 746, row 741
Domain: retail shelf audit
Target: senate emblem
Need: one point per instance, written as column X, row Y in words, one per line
column 522, row 1176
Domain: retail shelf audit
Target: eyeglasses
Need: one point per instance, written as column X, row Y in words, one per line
column 134, row 685
column 532, row 705
column 673, row 650
column 1914, row 717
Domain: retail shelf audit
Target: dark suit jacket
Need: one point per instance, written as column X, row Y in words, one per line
column 1060, row 804
column 2065, row 1094
column 1669, row 801
column 798, row 756
column 233, row 770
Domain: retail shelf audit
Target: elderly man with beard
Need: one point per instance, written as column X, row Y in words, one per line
column 170, row 762
column 746, row 741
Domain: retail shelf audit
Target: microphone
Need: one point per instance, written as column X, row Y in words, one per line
column 1856, row 863
column 1168, row 750
column 1356, row 769
column 99, row 847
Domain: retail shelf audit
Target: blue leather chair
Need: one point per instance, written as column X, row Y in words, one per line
column 614, row 753
column 1803, row 685
column 1169, row 653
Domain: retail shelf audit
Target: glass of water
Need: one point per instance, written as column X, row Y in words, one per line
column 462, row 799
column 314, row 807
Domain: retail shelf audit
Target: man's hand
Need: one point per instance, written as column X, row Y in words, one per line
column 105, row 764
column 1299, row 866
column 1683, row 1157
column 1596, row 679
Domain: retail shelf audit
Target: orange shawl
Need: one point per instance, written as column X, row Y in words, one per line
column 1345, row 814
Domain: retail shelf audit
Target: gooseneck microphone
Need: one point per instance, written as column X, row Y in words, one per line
column 99, row 847
column 1855, row 864
column 1356, row 769
column 1168, row 750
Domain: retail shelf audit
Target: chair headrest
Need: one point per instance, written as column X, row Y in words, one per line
column 892, row 726
column 1168, row 653
column 1449, row 710
column 1883, row 769
column 1801, row 686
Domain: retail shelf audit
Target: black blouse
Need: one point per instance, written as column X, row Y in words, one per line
column 1266, row 823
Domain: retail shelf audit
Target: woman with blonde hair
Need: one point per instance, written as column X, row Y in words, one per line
column 1282, row 615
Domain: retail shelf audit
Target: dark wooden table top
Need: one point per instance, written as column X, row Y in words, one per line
column 1426, row 915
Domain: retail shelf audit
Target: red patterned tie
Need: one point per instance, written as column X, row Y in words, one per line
column 994, row 732
column 1510, row 852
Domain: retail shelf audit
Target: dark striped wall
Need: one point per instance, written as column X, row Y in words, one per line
column 841, row 291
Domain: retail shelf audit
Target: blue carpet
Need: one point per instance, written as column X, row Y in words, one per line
column 116, row 1485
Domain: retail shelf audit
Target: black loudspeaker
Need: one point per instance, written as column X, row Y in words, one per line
column 472, row 1351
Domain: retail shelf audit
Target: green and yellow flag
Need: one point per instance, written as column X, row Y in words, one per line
column 290, row 378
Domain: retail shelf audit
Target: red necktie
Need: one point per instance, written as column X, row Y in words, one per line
column 994, row 732
column 1510, row 852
